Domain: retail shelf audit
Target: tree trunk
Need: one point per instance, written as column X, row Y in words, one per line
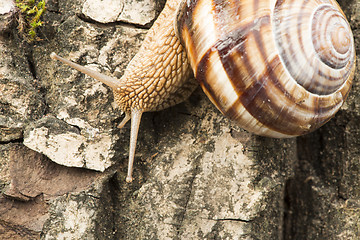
column 197, row 175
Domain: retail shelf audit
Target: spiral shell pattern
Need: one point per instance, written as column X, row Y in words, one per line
column 279, row 68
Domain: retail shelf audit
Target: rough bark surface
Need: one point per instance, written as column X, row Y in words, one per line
column 197, row 175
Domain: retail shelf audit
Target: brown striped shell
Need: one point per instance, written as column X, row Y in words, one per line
column 279, row 68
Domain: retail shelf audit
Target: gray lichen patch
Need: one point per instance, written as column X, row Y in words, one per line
column 7, row 11
column 19, row 104
column 6, row 6
column 82, row 215
column 65, row 145
column 108, row 11
column 20, row 100
column 72, row 217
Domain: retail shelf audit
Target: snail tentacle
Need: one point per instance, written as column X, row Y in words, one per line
column 135, row 123
column 109, row 81
column 124, row 120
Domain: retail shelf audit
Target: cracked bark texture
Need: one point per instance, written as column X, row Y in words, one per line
column 197, row 175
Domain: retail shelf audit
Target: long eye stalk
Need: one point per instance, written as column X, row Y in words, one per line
column 111, row 82
column 135, row 123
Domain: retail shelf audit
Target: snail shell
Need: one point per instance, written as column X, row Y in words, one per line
column 278, row 68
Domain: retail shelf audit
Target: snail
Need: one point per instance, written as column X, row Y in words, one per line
column 278, row 68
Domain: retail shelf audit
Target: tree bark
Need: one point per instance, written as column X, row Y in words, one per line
column 197, row 175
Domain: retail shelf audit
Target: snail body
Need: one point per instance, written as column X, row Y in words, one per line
column 268, row 65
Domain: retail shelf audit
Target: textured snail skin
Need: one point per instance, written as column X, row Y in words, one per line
column 283, row 69
column 238, row 64
column 159, row 74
